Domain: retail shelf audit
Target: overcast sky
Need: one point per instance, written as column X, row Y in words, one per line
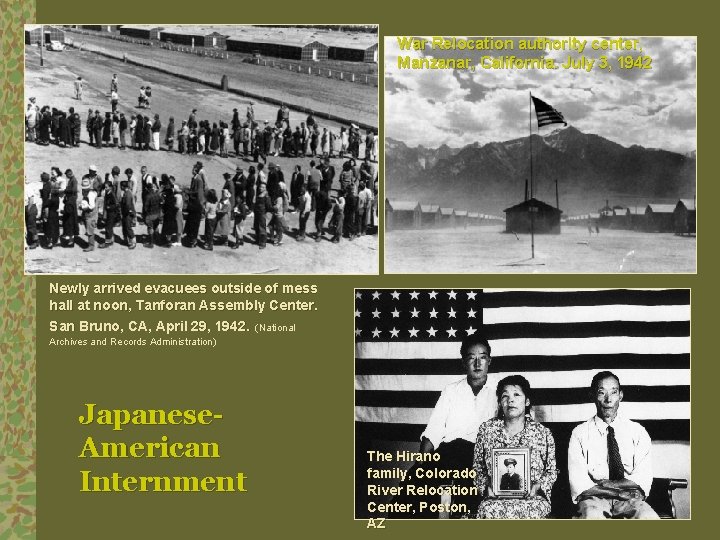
column 652, row 108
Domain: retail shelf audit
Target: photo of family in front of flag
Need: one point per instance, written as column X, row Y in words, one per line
column 522, row 404
column 548, row 154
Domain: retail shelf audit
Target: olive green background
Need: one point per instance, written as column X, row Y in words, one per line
column 287, row 399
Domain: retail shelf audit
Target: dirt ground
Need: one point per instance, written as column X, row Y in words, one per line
column 358, row 102
column 487, row 249
column 52, row 85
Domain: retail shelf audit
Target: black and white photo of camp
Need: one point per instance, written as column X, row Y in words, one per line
column 565, row 158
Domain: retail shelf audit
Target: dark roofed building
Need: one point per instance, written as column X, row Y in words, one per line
column 101, row 27
column 533, row 214
column 402, row 215
column 291, row 46
column 194, row 36
column 429, row 216
column 684, row 216
column 52, row 33
column 142, row 31
column 659, row 217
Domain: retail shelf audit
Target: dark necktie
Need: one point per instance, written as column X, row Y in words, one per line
column 615, row 465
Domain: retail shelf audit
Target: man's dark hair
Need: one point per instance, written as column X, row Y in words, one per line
column 514, row 380
column 599, row 377
column 471, row 341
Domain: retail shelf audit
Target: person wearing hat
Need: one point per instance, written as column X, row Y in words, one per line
column 127, row 212
column 510, row 479
column 114, row 83
column 92, row 177
column 89, row 209
column 112, row 210
column 250, row 114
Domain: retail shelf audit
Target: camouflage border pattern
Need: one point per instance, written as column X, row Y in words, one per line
column 17, row 293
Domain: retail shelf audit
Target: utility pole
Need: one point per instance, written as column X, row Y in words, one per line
column 42, row 44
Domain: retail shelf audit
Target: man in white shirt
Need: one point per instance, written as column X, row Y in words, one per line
column 453, row 426
column 609, row 459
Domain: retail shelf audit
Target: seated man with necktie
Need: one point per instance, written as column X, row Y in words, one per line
column 609, row 461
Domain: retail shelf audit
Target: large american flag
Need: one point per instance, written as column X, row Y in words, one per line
column 408, row 348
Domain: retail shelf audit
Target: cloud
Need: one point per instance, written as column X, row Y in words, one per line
column 652, row 108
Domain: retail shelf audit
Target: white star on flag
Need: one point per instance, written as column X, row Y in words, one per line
column 471, row 313
column 395, row 295
column 433, row 295
column 414, row 295
column 433, row 314
column 376, row 314
column 376, row 332
column 413, row 332
column 471, row 295
column 432, row 331
column 415, row 312
column 357, row 312
column 470, row 331
column 395, row 313
column 451, row 332
column 357, row 331
column 376, row 295
column 394, row 332
column 453, row 295
column 358, row 295
column 451, row 313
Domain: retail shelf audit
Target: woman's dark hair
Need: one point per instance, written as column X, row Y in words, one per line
column 514, row 380
column 212, row 196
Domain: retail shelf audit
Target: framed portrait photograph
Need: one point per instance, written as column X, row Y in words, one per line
column 510, row 472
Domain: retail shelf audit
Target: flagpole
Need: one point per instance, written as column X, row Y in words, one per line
column 530, row 208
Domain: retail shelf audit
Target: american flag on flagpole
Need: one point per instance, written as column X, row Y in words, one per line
column 547, row 114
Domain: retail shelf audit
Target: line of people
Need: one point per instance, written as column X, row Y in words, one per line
column 251, row 139
column 169, row 210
